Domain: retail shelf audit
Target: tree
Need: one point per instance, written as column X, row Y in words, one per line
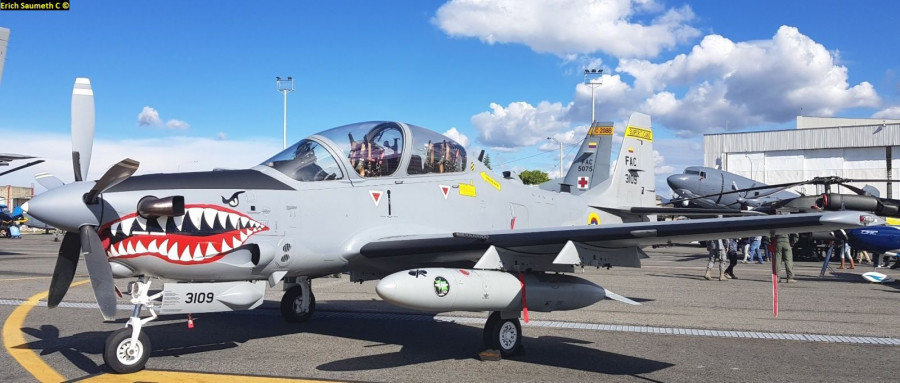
column 487, row 161
column 533, row 177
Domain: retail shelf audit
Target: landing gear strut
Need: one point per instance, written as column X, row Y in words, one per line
column 504, row 333
column 298, row 302
column 127, row 350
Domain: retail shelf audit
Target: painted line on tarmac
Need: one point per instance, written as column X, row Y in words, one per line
column 193, row 377
column 620, row 328
column 15, row 344
column 536, row 323
column 23, row 279
column 17, row 347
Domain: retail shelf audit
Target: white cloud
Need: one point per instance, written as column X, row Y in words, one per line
column 520, row 123
column 566, row 27
column 892, row 112
column 149, row 117
column 157, row 155
column 746, row 83
column 458, row 137
column 177, row 125
column 221, row 136
column 718, row 84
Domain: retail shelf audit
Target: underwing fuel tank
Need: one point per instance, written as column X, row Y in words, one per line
column 440, row 290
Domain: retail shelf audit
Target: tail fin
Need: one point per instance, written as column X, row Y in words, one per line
column 591, row 165
column 632, row 181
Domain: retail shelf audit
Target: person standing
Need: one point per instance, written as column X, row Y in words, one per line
column 716, row 253
column 864, row 257
column 845, row 255
column 744, row 245
column 731, row 249
column 784, row 254
column 754, row 249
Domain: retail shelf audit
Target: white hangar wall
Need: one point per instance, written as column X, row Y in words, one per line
column 851, row 148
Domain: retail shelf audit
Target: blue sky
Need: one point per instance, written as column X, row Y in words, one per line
column 503, row 74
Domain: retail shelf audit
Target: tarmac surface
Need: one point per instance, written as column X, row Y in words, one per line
column 835, row 328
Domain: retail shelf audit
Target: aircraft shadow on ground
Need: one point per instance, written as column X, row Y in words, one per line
column 421, row 341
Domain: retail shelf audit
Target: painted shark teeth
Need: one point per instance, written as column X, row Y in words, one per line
column 202, row 233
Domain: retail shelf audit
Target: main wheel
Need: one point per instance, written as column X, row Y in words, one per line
column 505, row 335
column 121, row 357
column 488, row 334
column 292, row 305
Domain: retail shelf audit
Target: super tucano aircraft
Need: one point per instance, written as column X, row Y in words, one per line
column 379, row 200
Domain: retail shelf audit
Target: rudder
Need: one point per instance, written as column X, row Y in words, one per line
column 632, row 181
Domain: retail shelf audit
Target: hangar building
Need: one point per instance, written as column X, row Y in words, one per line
column 854, row 148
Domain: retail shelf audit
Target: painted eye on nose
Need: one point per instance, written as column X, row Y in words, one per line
column 233, row 201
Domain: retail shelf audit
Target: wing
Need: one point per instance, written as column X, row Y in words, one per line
column 553, row 249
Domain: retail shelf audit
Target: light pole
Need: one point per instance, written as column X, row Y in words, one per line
column 561, row 175
column 593, row 78
column 285, row 87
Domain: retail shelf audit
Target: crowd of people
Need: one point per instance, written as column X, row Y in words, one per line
column 762, row 249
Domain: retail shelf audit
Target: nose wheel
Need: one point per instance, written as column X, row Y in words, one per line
column 124, row 356
column 503, row 334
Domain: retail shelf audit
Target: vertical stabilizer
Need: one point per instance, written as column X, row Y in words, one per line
column 632, row 181
column 4, row 39
column 591, row 164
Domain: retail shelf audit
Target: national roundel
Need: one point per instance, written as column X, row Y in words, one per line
column 593, row 219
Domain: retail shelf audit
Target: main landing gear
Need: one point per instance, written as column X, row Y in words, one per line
column 503, row 332
column 127, row 350
column 298, row 302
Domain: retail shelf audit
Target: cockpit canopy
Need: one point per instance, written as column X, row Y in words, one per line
column 370, row 149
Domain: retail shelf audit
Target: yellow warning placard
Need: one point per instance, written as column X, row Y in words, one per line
column 601, row 131
column 639, row 133
column 467, row 190
column 490, row 180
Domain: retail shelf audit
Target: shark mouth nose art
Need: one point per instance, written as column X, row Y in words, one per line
column 203, row 234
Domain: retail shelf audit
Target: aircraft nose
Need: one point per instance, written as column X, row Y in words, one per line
column 63, row 207
column 678, row 181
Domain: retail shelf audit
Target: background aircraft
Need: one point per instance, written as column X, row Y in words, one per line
column 712, row 188
column 694, row 188
column 877, row 240
column 5, row 158
column 379, row 200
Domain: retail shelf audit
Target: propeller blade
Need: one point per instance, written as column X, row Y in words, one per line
column 48, row 181
column 82, row 127
column 66, row 263
column 100, row 272
column 116, row 174
column 32, row 163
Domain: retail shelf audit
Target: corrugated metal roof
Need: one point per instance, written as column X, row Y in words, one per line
column 881, row 135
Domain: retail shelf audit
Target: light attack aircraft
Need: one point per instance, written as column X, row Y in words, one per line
column 384, row 201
